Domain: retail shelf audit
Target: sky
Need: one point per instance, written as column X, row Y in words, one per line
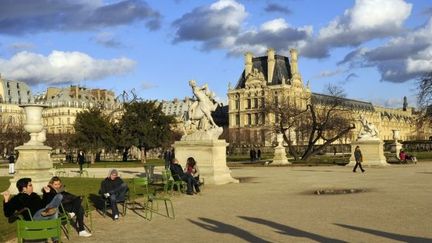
column 373, row 49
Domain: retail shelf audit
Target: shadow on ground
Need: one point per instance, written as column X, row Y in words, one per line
column 287, row 230
column 393, row 236
column 219, row 227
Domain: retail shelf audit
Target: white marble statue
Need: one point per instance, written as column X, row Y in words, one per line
column 368, row 130
column 198, row 122
column 200, row 110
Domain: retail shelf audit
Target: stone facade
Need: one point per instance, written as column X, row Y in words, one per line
column 272, row 75
column 65, row 103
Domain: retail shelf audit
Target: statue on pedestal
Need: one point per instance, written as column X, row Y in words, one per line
column 200, row 110
column 199, row 115
column 368, row 130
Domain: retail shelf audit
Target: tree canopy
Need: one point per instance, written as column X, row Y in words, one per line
column 145, row 126
column 93, row 131
column 424, row 98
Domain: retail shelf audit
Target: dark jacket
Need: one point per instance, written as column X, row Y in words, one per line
column 81, row 158
column 176, row 171
column 108, row 185
column 68, row 198
column 23, row 200
column 358, row 155
column 11, row 159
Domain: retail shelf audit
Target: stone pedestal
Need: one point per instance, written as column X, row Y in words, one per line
column 210, row 156
column 372, row 151
column 280, row 153
column 34, row 161
column 395, row 148
column 280, row 156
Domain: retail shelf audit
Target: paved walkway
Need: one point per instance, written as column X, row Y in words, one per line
column 277, row 204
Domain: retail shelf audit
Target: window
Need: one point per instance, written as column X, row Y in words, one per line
column 249, row 117
column 17, row 85
column 7, row 84
column 257, row 121
column 237, row 121
column 256, row 103
column 249, row 103
column 237, row 104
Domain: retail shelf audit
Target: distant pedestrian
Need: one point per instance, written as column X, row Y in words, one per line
column 358, row 158
column 11, row 163
column 167, row 158
column 259, row 154
column 81, row 160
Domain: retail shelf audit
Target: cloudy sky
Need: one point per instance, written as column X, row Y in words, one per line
column 374, row 49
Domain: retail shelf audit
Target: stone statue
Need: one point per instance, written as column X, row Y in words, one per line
column 368, row 130
column 200, row 110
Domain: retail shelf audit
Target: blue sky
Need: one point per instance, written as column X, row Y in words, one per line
column 373, row 49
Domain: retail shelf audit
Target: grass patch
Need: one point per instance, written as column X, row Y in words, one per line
column 113, row 164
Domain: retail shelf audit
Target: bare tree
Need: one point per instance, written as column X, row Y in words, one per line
column 424, row 98
column 315, row 121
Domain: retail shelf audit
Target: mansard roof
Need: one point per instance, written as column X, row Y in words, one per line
column 282, row 70
column 348, row 103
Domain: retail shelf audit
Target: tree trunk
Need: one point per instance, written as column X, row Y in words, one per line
column 143, row 155
column 92, row 158
column 291, row 148
column 327, row 143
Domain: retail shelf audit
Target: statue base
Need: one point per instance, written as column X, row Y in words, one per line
column 34, row 162
column 211, row 159
column 372, row 151
column 280, row 156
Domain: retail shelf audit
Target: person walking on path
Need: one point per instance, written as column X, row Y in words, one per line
column 81, row 160
column 11, row 163
column 358, row 158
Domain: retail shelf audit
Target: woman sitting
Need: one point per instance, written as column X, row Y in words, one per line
column 192, row 168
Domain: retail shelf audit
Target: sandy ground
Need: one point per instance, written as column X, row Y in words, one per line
column 277, row 204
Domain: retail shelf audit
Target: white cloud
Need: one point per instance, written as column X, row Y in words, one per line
column 366, row 20
column 62, row 67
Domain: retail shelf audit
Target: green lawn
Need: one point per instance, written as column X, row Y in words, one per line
column 113, row 164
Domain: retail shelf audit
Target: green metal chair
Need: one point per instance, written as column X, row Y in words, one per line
column 87, row 212
column 174, row 182
column 141, row 188
column 106, row 204
column 65, row 220
column 39, row 229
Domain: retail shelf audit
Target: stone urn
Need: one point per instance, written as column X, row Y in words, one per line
column 33, row 123
column 34, row 160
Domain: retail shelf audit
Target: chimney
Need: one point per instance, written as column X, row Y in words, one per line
column 248, row 63
column 270, row 64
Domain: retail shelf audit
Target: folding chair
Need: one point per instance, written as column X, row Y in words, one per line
column 39, row 229
column 106, row 204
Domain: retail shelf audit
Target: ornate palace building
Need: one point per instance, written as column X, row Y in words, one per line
column 275, row 75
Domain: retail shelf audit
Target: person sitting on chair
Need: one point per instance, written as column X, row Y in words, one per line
column 114, row 189
column 40, row 208
column 192, row 169
column 178, row 174
column 71, row 203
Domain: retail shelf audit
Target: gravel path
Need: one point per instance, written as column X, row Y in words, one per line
column 277, row 204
